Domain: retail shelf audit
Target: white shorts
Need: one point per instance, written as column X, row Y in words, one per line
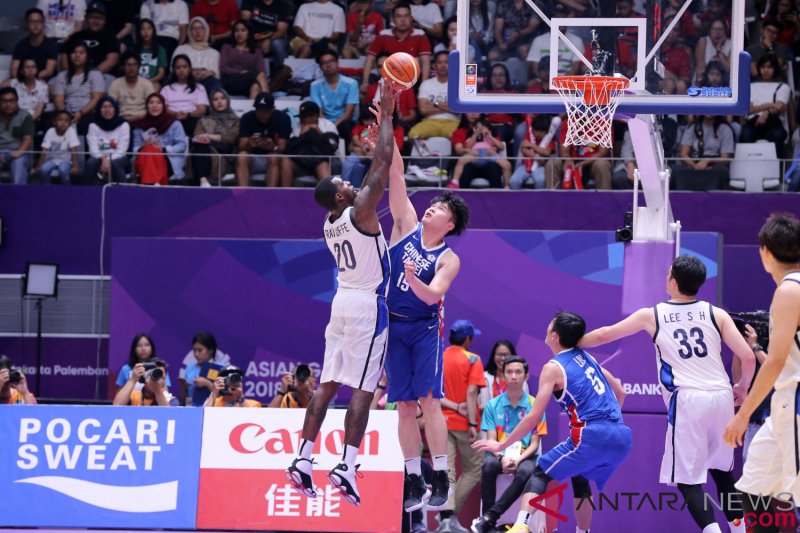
column 773, row 459
column 694, row 443
column 355, row 340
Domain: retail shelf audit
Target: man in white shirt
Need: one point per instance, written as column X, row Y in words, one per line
column 427, row 16
column 568, row 62
column 318, row 25
column 437, row 120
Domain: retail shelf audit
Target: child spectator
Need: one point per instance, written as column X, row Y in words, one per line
column 62, row 17
column 109, row 138
column 214, row 135
column 131, row 90
column 79, row 88
column 59, row 151
column 242, row 64
column 36, row 45
column 170, row 18
column 31, row 90
column 205, row 60
column 318, row 25
column 152, row 55
column 185, row 98
column 363, row 25
column 270, row 21
column 480, row 149
column 16, row 136
column 220, row 15
column 161, row 129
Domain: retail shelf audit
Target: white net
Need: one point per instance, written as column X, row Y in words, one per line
column 591, row 102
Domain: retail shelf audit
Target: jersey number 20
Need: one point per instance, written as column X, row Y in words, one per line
column 345, row 258
column 685, row 340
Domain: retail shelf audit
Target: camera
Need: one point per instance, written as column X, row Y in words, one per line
column 232, row 375
column 625, row 233
column 758, row 319
column 153, row 372
column 301, row 373
column 14, row 376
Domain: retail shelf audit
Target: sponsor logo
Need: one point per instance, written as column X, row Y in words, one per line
column 725, row 92
column 249, row 438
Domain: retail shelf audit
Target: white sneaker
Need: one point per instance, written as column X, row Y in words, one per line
column 451, row 525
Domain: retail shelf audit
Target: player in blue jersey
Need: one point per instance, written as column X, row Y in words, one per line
column 423, row 267
column 599, row 441
column 355, row 339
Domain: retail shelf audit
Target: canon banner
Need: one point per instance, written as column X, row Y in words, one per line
column 243, row 486
column 71, row 466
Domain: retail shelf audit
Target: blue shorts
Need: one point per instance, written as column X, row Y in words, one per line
column 414, row 359
column 594, row 452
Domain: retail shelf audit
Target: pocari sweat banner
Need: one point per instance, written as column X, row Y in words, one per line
column 125, row 467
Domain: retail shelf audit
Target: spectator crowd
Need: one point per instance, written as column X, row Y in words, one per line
column 143, row 91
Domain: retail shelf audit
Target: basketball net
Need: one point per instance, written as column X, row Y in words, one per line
column 591, row 102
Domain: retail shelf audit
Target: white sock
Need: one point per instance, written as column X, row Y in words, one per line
column 306, row 446
column 737, row 526
column 440, row 462
column 579, row 530
column 350, row 455
column 712, row 528
column 522, row 519
column 414, row 466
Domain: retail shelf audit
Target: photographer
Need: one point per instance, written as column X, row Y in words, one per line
column 228, row 390
column 147, row 386
column 296, row 389
column 13, row 385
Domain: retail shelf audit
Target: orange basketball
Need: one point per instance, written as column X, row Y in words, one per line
column 402, row 69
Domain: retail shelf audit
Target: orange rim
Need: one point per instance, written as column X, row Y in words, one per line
column 596, row 89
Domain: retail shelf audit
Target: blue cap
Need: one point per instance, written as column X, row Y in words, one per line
column 463, row 329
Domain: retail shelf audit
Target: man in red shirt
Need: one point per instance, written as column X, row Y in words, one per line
column 401, row 38
column 463, row 376
column 220, row 15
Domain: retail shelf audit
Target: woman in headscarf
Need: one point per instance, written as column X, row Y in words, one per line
column 161, row 129
column 242, row 63
column 205, row 60
column 108, row 138
column 215, row 134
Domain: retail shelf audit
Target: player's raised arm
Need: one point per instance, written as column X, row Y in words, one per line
column 403, row 213
column 641, row 320
column 377, row 175
column 738, row 345
column 551, row 376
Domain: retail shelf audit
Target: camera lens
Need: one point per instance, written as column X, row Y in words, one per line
column 14, row 376
column 155, row 374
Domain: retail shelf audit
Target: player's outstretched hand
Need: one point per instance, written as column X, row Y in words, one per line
column 734, row 433
column 486, row 445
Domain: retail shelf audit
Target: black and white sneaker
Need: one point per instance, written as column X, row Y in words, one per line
column 343, row 479
column 440, row 490
column 299, row 475
column 416, row 493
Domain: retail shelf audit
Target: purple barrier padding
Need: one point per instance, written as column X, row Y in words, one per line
column 642, row 503
column 70, row 366
column 644, row 274
column 268, row 301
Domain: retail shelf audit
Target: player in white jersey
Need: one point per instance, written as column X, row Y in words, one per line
column 772, row 468
column 688, row 335
column 355, row 339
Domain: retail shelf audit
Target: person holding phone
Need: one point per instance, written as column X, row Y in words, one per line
column 262, row 132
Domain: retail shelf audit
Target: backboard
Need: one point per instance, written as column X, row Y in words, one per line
column 681, row 56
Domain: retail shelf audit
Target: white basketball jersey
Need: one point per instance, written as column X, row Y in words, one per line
column 790, row 374
column 361, row 258
column 688, row 347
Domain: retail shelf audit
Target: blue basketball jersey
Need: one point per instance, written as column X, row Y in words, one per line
column 586, row 396
column 402, row 300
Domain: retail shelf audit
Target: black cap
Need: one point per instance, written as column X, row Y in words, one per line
column 264, row 100
column 308, row 109
column 97, row 7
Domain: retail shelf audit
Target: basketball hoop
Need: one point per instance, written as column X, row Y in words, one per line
column 591, row 102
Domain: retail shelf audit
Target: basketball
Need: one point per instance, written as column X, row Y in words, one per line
column 402, row 69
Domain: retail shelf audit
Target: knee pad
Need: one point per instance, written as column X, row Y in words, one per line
column 538, row 481
column 581, row 488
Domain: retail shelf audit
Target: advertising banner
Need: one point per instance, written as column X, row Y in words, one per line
column 243, row 486
column 68, row 466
